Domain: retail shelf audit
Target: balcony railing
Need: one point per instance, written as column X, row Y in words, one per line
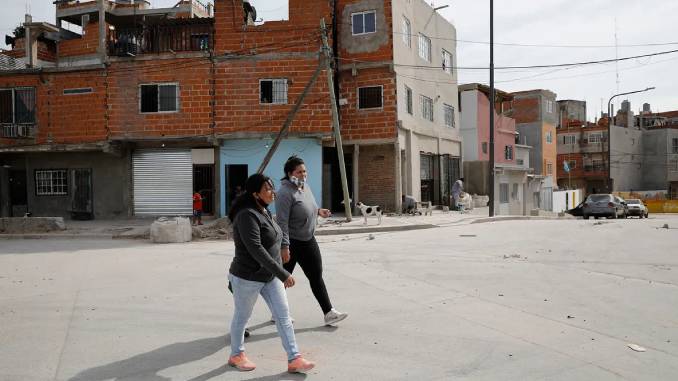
column 17, row 131
column 174, row 36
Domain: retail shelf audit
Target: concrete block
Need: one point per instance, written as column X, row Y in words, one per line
column 23, row 225
column 534, row 212
column 175, row 230
column 480, row 201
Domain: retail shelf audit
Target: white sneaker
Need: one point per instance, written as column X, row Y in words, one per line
column 334, row 317
column 273, row 319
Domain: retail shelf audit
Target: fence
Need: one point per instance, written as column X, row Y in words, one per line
column 175, row 36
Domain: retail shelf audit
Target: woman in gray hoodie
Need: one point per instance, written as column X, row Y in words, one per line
column 297, row 213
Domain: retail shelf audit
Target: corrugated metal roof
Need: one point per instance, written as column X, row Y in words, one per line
column 11, row 63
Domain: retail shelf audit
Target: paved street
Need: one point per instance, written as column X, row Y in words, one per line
column 514, row 300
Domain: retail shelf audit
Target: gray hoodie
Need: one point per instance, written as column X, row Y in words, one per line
column 296, row 212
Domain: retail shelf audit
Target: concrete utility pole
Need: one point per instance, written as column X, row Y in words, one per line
column 335, row 121
column 610, row 118
column 491, row 109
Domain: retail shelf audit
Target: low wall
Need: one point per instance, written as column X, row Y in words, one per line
column 662, row 206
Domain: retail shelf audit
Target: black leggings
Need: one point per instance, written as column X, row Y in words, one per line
column 307, row 254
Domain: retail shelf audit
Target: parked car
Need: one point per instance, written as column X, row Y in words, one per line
column 637, row 208
column 604, row 205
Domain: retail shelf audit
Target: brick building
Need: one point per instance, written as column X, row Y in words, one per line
column 399, row 121
column 140, row 110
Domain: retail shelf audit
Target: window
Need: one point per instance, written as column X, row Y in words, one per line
column 549, row 169
column 449, row 115
column 426, row 107
column 407, row 32
column 159, row 98
column 364, row 22
column 484, row 147
column 273, row 91
column 572, row 164
column 549, row 106
column 424, row 47
column 503, row 193
column 595, row 138
column 447, row 62
column 514, row 191
column 408, row 100
column 675, row 146
column 569, row 139
column 51, row 182
column 83, row 90
column 370, row 97
column 598, row 165
column 508, row 152
column 520, row 161
column 17, row 106
column 549, row 137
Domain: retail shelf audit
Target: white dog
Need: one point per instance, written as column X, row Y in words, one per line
column 369, row 211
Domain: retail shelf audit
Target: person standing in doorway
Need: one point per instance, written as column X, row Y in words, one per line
column 297, row 213
column 197, row 208
column 257, row 270
column 457, row 189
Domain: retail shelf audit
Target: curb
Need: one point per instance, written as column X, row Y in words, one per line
column 517, row 218
column 56, row 236
column 376, row 229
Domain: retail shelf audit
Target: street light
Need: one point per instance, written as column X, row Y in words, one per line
column 491, row 182
column 609, row 133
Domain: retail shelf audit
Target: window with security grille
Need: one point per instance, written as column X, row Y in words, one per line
column 370, row 97
column 595, row 138
column 51, row 182
column 514, row 191
column 503, row 193
column 549, row 137
column 424, row 47
column 364, row 22
column 159, row 98
column 449, row 115
column 447, row 62
column 675, row 146
column 426, row 107
column 569, row 139
column 273, row 91
column 407, row 32
column 598, row 165
column 408, row 100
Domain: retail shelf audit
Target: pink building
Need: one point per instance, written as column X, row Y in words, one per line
column 516, row 188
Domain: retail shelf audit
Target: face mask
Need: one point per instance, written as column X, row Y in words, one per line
column 298, row 182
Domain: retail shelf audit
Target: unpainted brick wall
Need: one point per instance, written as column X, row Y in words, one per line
column 376, row 173
column 86, row 45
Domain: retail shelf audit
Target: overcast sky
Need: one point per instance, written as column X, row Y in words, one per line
column 532, row 22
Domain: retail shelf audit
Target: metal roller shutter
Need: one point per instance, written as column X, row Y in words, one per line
column 163, row 182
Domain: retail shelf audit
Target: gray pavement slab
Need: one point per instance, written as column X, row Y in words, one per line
column 463, row 302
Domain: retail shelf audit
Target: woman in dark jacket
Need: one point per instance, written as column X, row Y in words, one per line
column 297, row 213
column 257, row 270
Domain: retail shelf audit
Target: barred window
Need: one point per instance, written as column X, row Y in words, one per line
column 273, row 91
column 508, row 152
column 51, row 182
column 159, row 98
column 426, row 107
column 424, row 47
column 595, row 138
column 675, row 145
column 408, row 100
column 569, row 139
column 449, row 115
column 447, row 62
column 370, row 97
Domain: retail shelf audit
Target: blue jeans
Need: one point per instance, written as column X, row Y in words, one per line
column 245, row 294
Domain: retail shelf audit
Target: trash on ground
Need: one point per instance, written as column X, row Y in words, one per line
column 570, row 317
column 637, row 348
column 370, row 237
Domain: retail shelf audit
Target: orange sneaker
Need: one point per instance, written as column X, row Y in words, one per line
column 300, row 365
column 241, row 362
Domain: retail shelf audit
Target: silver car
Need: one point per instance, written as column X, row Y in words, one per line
column 603, row 205
column 637, row 208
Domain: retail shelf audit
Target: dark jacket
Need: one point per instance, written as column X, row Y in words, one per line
column 257, row 247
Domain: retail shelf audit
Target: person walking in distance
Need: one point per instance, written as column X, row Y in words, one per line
column 297, row 213
column 256, row 270
column 457, row 189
